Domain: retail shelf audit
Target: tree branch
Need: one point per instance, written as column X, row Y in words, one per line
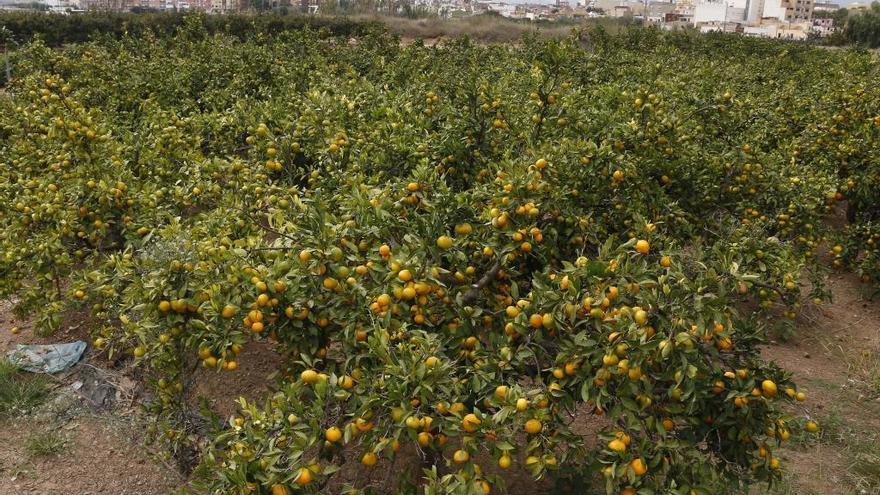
column 481, row 284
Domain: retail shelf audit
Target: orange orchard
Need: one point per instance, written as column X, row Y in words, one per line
column 452, row 248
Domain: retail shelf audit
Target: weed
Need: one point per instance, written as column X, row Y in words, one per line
column 19, row 393
column 865, row 367
column 864, row 471
column 45, row 444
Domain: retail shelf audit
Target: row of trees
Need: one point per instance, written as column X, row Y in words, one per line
column 58, row 30
column 857, row 28
column 455, row 250
column 864, row 28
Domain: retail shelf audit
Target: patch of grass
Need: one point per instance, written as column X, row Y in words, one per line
column 864, row 471
column 19, row 393
column 865, row 367
column 45, row 444
column 862, row 475
column 833, row 430
column 785, row 486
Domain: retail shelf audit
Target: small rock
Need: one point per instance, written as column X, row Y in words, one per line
column 807, row 355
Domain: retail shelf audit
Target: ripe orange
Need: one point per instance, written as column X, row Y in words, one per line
column 229, row 311
column 463, row 229
column 642, row 246
column 638, row 466
column 470, row 422
column 617, row 445
column 610, row 359
column 536, row 320
column 304, row 477
column 278, row 490
column 424, row 438
column 346, row 382
column 768, row 388
column 504, row 461
column 533, row 426
column 444, row 242
column 309, row 376
column 413, row 422
column 369, row 459
column 333, row 434
column 461, row 456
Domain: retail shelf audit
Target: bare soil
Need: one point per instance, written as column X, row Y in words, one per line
column 101, row 456
column 834, row 355
column 258, row 362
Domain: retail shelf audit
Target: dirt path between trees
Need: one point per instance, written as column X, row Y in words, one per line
column 835, row 357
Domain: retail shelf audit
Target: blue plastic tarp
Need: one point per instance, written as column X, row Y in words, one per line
column 48, row 358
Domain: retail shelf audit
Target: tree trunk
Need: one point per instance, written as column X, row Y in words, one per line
column 6, row 61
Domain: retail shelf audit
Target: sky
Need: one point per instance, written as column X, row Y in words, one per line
column 551, row 2
column 546, row 2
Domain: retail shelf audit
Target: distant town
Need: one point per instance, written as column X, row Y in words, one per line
column 786, row 19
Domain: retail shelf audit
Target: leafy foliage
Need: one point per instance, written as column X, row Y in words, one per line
column 455, row 248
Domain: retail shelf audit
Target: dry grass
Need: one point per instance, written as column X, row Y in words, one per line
column 865, row 370
column 484, row 28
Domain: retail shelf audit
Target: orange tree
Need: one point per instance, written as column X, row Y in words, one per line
column 457, row 249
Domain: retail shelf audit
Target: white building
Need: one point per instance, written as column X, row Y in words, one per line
column 823, row 27
column 788, row 10
column 826, row 7
column 754, row 10
column 776, row 29
column 719, row 12
column 223, row 6
column 63, row 6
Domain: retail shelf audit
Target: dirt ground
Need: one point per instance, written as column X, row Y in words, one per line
column 102, row 449
column 834, row 355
